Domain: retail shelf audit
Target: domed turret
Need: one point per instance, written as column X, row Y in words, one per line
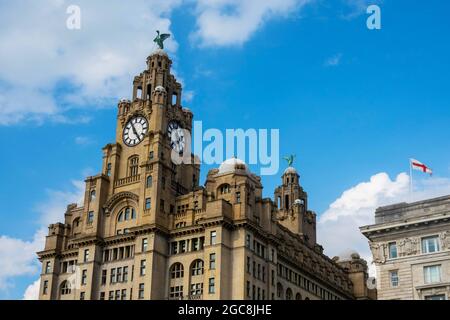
column 233, row 165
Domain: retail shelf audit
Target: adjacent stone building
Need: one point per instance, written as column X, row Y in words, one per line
column 410, row 243
column 148, row 230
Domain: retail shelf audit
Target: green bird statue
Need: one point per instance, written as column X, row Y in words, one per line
column 160, row 38
column 290, row 159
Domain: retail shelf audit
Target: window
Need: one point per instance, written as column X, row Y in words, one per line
column 148, row 204
column 212, row 286
column 134, row 166
column 248, row 264
column 86, row 255
column 92, row 195
column 161, row 205
column 238, row 197
column 126, row 214
column 176, row 292
column 213, row 237
column 393, row 250
column 149, row 182
column 394, row 278
column 195, row 244
column 177, row 271
column 65, row 288
column 102, row 296
column 430, row 244
column 82, row 295
column 119, row 274
column 248, row 240
column 90, row 218
column 212, row 261
column 125, row 274
column 108, row 169
column 223, row 189
column 196, row 289
column 104, row 276
column 141, row 291
column 182, row 246
column 112, row 276
column 197, row 268
column 84, row 278
column 142, row 269
column 436, row 297
column 144, row 244
column 48, row 267
column 432, row 274
column 151, row 155
column 124, row 294
column 117, row 295
column 45, row 287
column 111, row 295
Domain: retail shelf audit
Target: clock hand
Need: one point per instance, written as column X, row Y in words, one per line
column 134, row 130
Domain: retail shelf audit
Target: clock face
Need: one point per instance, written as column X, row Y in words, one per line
column 135, row 131
column 176, row 136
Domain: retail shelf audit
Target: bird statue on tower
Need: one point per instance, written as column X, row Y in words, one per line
column 290, row 159
column 160, row 38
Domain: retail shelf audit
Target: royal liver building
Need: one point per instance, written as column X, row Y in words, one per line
column 148, row 230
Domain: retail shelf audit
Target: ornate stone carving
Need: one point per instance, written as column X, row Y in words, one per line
column 377, row 252
column 408, row 247
column 445, row 239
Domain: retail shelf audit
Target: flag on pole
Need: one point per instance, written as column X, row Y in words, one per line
column 417, row 165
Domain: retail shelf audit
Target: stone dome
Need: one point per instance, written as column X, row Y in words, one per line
column 159, row 52
column 233, row 165
column 160, row 89
column 290, row 170
column 349, row 255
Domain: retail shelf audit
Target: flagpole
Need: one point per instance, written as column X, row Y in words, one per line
column 410, row 179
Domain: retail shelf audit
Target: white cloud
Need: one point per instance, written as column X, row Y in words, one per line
column 18, row 257
column 233, row 22
column 82, row 141
column 38, row 53
column 338, row 227
column 333, row 61
column 32, row 292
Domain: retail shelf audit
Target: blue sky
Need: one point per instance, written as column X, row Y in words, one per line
column 353, row 104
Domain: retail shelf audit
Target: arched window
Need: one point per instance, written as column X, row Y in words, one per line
column 288, row 294
column 149, row 182
column 92, row 195
column 298, row 296
column 177, row 271
column 126, row 214
column 197, row 268
column 65, row 288
column 279, row 291
column 224, row 189
column 134, row 166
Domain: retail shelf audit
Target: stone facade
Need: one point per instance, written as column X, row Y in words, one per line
column 410, row 243
column 147, row 230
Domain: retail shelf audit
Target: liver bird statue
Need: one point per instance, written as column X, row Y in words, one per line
column 290, row 159
column 160, row 38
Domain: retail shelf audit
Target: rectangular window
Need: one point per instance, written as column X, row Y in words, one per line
column 430, row 244
column 84, row 277
column 144, row 244
column 86, row 255
column 248, row 240
column 82, row 295
column 113, row 276
column 124, row 294
column 45, row 287
column 393, row 250
column 212, row 261
column 102, row 296
column 182, row 246
column 432, row 274
column 195, row 244
column 264, row 274
column 108, row 169
column 47, row 267
column 196, row 289
column 119, row 274
column 436, row 297
column 174, row 247
column 248, row 264
column 141, row 291
column 176, row 292
column 125, row 274
column 213, row 238
column 148, row 204
column 212, row 286
column 111, row 295
column 104, row 276
column 394, row 278
column 143, row 264
column 90, row 218
column 117, row 295
column 273, row 278
column 238, row 197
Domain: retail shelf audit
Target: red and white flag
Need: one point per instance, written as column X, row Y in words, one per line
column 417, row 165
